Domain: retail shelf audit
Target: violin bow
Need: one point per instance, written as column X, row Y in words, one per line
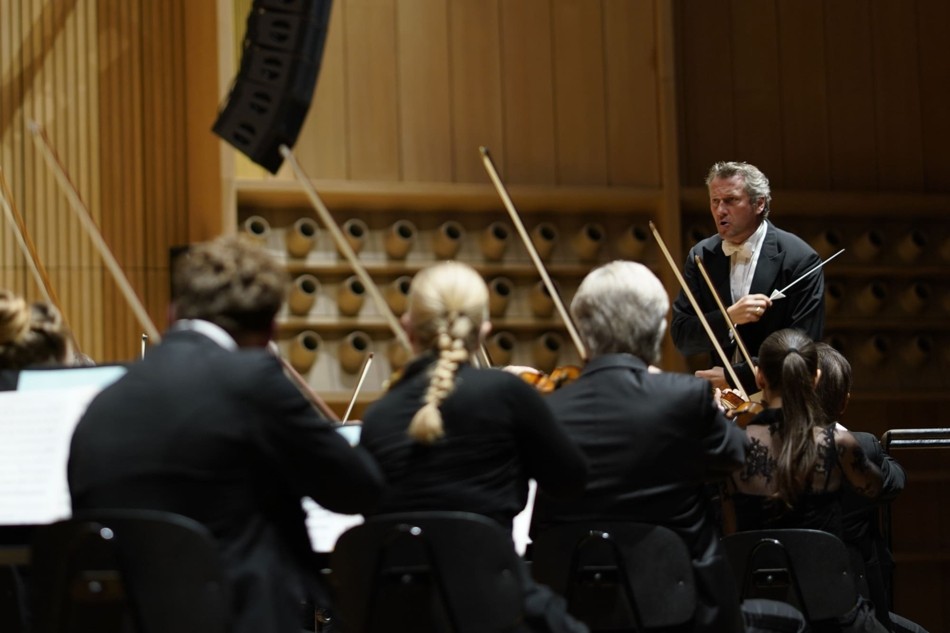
column 344, row 247
column 359, row 385
column 533, row 252
column 85, row 219
column 699, row 313
column 33, row 260
column 302, row 384
column 725, row 313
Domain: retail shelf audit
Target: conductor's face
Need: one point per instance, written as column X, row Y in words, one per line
column 736, row 217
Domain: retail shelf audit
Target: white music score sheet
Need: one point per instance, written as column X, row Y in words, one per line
column 35, row 430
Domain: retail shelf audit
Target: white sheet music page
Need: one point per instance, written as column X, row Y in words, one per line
column 35, row 431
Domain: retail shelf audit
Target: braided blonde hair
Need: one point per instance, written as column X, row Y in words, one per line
column 30, row 334
column 448, row 303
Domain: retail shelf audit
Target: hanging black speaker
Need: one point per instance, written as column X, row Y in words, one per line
column 280, row 61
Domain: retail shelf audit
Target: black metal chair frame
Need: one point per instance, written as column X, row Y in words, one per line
column 149, row 571
column 459, row 570
column 565, row 558
column 809, row 569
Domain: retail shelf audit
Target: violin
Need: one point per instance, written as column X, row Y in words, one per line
column 740, row 409
column 546, row 383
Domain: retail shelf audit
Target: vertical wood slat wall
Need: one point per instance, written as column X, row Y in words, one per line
column 105, row 81
column 408, row 90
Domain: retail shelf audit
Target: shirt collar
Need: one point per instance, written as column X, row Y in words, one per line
column 207, row 329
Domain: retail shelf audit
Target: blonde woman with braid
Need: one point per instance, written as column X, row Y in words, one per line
column 449, row 436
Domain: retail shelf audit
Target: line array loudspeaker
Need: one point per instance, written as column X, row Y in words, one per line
column 270, row 96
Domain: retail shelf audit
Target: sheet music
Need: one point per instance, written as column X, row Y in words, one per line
column 35, row 431
column 325, row 527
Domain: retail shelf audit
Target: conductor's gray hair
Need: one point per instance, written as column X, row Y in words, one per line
column 756, row 183
column 622, row 307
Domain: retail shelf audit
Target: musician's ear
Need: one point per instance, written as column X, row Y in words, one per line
column 483, row 331
column 817, row 376
column 760, row 381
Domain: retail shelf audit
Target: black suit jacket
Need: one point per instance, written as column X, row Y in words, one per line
column 652, row 442
column 784, row 257
column 223, row 437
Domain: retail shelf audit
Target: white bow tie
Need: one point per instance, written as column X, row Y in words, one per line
column 744, row 249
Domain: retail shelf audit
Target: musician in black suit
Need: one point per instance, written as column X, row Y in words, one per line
column 652, row 440
column 747, row 259
column 207, row 425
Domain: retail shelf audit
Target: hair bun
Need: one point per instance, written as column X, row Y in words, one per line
column 14, row 317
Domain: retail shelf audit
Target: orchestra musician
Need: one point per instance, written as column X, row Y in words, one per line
column 747, row 259
column 798, row 462
column 30, row 334
column 450, row 436
column 207, row 425
column 652, row 439
column 860, row 521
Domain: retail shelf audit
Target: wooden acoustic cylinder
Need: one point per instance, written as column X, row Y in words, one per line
column 353, row 350
column 834, row 293
column 400, row 239
column 633, row 242
column 588, row 241
column 355, row 231
column 494, row 241
column 544, row 237
column 397, row 355
column 542, row 305
column 873, row 351
column 546, row 350
column 500, row 347
column 826, row 243
column 300, row 237
column 911, row 246
column 303, row 350
column 350, row 296
column 303, row 293
column 500, row 290
column 917, row 350
column 868, row 245
column 915, row 297
column 397, row 294
column 447, row 240
column 871, row 298
column 257, row 228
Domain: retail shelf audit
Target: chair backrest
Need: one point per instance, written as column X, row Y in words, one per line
column 147, row 571
column 618, row 575
column 428, row 571
column 12, row 595
column 809, row 569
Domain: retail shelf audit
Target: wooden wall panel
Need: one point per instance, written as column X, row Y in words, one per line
column 528, row 92
column 933, row 24
column 802, row 69
column 322, row 150
column 861, row 86
column 579, row 92
column 373, row 126
column 105, row 82
column 704, row 54
column 897, row 93
column 632, row 105
column 757, row 86
column 851, row 108
column 475, row 44
column 425, row 126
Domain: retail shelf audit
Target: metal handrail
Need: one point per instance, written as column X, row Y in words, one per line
column 915, row 438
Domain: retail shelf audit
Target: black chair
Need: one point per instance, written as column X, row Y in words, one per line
column 809, row 569
column 427, row 572
column 143, row 571
column 613, row 575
